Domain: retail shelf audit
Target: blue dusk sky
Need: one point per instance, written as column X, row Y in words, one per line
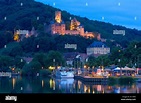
column 120, row 12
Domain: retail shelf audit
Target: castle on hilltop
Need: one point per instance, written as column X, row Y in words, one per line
column 58, row 26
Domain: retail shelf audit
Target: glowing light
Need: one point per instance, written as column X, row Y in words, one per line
column 42, row 83
column 50, row 82
column 58, row 67
column 53, row 82
column 88, row 90
column 103, row 18
column 109, row 87
column 119, row 4
column 13, row 82
column 85, row 88
column 103, row 91
column 51, row 68
column 86, row 4
column 98, row 87
column 85, row 66
column 16, row 36
column 79, row 84
column 13, row 69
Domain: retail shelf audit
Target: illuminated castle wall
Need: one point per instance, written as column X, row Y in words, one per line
column 59, row 27
column 19, row 35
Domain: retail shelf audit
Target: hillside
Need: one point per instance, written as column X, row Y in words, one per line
column 40, row 51
column 22, row 14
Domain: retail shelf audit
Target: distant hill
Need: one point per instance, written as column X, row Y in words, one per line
column 22, row 14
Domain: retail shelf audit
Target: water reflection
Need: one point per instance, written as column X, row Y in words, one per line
column 42, row 83
column 51, row 85
column 13, row 82
column 76, row 86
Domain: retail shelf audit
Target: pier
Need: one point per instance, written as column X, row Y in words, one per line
column 91, row 79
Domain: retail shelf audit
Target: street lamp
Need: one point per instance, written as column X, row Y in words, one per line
column 120, row 67
column 135, row 59
column 54, row 62
column 53, row 65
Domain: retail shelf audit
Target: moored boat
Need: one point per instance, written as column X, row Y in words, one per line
column 64, row 73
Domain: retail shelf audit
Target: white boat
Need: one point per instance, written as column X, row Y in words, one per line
column 62, row 73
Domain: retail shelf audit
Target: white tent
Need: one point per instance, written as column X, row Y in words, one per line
column 117, row 68
column 127, row 68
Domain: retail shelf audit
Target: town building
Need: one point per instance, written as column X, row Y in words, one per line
column 97, row 48
column 19, row 35
column 70, row 57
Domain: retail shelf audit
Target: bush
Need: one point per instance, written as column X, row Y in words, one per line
column 126, row 80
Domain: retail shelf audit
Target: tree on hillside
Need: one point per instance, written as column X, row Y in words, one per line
column 40, row 57
column 54, row 58
column 5, row 63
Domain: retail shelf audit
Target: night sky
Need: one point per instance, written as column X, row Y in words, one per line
column 120, row 12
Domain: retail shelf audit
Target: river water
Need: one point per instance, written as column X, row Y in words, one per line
column 50, row 85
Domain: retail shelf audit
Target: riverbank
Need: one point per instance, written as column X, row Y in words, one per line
column 109, row 80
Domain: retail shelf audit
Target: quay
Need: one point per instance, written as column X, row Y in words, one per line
column 91, row 79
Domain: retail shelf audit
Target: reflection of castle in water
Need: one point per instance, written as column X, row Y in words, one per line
column 76, row 86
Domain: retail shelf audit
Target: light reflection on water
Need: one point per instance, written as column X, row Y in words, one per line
column 49, row 85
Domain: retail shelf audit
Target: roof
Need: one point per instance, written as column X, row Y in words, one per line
column 70, row 55
column 97, row 44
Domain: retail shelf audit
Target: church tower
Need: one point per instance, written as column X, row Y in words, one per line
column 58, row 16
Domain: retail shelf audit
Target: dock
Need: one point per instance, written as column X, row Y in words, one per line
column 92, row 79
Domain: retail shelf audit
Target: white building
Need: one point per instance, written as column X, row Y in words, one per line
column 97, row 48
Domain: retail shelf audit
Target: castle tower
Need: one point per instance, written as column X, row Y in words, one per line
column 58, row 16
column 16, row 36
column 74, row 24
